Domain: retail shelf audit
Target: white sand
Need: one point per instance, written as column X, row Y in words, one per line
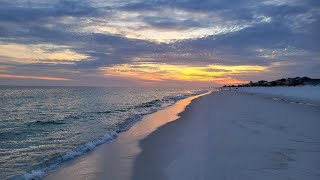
column 294, row 93
column 224, row 135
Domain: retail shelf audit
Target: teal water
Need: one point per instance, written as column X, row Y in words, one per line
column 40, row 127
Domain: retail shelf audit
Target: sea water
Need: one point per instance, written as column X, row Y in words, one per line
column 41, row 127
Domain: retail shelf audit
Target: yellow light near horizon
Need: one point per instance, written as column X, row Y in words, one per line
column 163, row 72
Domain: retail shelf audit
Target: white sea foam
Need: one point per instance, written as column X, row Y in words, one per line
column 153, row 107
column 38, row 173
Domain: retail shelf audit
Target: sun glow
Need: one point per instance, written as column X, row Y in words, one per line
column 220, row 74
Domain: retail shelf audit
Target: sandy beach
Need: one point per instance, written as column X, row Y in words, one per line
column 221, row 135
column 159, row 90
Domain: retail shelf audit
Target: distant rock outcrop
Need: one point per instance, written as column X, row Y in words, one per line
column 297, row 81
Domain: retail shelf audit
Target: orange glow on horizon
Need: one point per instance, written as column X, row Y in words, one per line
column 161, row 72
column 229, row 81
column 34, row 77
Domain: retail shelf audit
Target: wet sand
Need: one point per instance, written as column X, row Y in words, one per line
column 115, row 160
column 223, row 135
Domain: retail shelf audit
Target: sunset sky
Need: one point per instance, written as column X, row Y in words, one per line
column 157, row 42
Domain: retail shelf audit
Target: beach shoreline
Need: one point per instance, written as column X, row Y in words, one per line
column 121, row 150
column 223, row 135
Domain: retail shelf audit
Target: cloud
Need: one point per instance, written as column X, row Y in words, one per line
column 164, row 71
column 81, row 37
column 40, row 53
column 39, row 11
column 34, row 77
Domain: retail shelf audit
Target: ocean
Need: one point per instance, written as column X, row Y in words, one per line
column 41, row 127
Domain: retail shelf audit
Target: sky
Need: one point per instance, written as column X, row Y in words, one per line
column 171, row 43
